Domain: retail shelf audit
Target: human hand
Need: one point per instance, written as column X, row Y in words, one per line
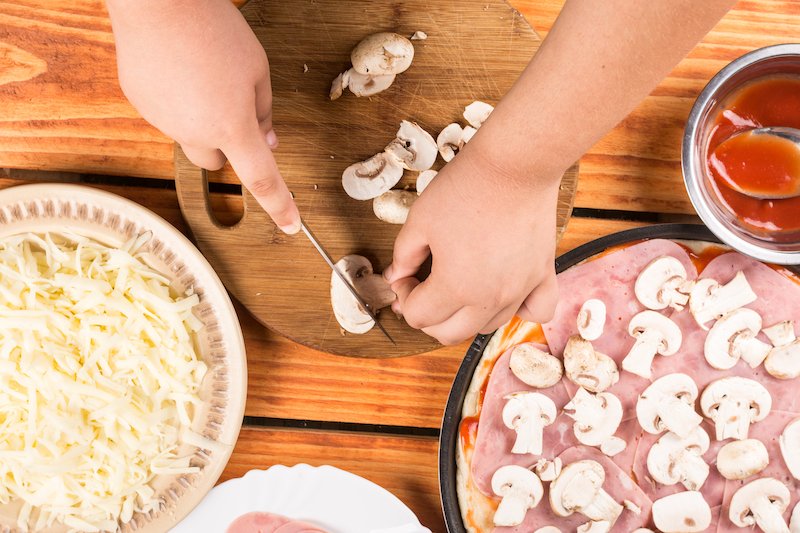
column 492, row 238
column 195, row 70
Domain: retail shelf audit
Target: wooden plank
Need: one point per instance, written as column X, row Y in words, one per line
column 405, row 466
column 74, row 117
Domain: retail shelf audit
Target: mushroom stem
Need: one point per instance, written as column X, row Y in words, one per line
column 733, row 419
column 602, row 507
column 693, row 471
column 679, row 416
column 768, row 516
column 513, row 508
column 640, row 358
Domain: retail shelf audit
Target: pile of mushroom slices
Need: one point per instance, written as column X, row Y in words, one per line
column 666, row 407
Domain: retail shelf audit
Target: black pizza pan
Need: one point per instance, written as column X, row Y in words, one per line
column 455, row 402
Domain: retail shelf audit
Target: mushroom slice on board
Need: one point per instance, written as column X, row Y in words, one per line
column 450, row 140
column 658, row 285
column 370, row 286
column 655, row 334
column 587, row 368
column 381, row 54
column 684, row 512
column 761, row 502
column 596, row 416
column 783, row 360
column 579, row 489
column 733, row 337
column 371, row 178
column 364, row 84
column 413, row 147
column 393, row 206
column 424, row 179
column 591, row 319
column 520, row 490
column 477, row 112
column 708, row 300
column 527, row 413
column 668, row 405
column 674, row 460
column 534, row 367
column 740, row 459
column 733, row 404
column 790, row 447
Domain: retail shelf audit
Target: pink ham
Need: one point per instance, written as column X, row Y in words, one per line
column 270, row 523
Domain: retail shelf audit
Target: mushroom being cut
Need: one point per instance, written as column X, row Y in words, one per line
column 761, row 503
column 655, row 334
column 450, row 141
column 371, row 178
column 658, row 285
column 534, row 367
column 783, row 360
column 683, row 512
column 790, row 447
column 733, row 404
column 733, row 337
column 591, row 319
column 370, row 286
column 579, row 489
column 382, row 53
column 393, row 206
column 363, row 84
column 527, row 413
column 424, row 179
column 413, row 147
column 520, row 490
column 596, row 416
column 477, row 112
column 587, row 368
column 668, row 405
column 674, row 460
column 740, row 459
column 708, row 300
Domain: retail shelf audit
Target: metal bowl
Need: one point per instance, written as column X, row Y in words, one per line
column 780, row 59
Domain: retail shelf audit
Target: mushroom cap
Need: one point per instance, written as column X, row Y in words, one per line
column 597, row 416
column 740, row 459
column 450, row 140
column 393, row 206
column 382, row 53
column 783, row 362
column 413, row 147
column 670, row 450
column 576, row 486
column 720, row 345
column 684, row 512
column 587, row 368
column 668, row 330
column 528, row 405
column 776, row 492
column 424, row 179
column 675, row 385
column 371, row 178
column 534, row 367
column 654, row 284
column 477, row 112
column 738, row 389
column 365, row 85
column 370, row 286
column 790, row 447
column 591, row 319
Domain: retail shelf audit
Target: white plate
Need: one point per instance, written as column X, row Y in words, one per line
column 333, row 499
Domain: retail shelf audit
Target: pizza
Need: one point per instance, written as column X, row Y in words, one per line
column 662, row 396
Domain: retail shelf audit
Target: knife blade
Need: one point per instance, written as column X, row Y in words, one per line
column 344, row 279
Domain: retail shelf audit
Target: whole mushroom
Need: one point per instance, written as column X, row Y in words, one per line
column 684, row 512
column 382, row 53
column 740, row 459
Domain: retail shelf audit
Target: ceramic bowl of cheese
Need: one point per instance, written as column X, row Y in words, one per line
column 662, row 397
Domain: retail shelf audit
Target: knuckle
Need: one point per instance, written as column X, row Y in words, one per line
column 412, row 318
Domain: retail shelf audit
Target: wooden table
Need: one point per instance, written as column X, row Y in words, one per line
column 61, row 110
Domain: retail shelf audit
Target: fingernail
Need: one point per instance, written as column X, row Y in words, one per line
column 272, row 139
column 387, row 274
column 292, row 228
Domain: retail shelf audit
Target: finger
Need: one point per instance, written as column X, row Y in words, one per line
column 253, row 162
column 502, row 317
column 209, row 159
column 461, row 326
column 410, row 251
column 422, row 304
column 540, row 304
column 264, row 111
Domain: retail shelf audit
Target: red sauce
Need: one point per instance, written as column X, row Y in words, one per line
column 762, row 163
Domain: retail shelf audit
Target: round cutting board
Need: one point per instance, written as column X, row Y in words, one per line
column 474, row 51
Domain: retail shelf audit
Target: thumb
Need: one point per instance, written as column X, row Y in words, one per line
column 410, row 251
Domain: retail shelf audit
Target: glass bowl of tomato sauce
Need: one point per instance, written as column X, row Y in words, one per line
column 760, row 89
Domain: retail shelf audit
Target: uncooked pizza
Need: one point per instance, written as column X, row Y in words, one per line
column 661, row 397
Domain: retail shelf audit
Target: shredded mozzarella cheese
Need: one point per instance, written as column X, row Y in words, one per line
column 99, row 380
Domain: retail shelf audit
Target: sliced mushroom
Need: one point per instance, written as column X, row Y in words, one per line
column 733, row 337
column 592, row 526
column 469, row 133
column 534, row 367
column 733, row 404
column 548, row 470
column 783, row 360
column 520, row 490
column 413, row 147
column 340, row 83
column 548, row 529
column 527, row 413
column 740, row 459
column 450, row 141
column 579, row 489
column 393, row 206
column 684, row 512
column 587, row 368
column 781, row 334
column 477, row 112
column 366, row 85
column 790, row 447
column 643, row 530
column 794, row 521
column 632, row 507
column 613, row 446
column 668, row 405
column 655, row 334
column 371, row 178
column 761, row 502
column 674, row 460
column 424, row 179
column 370, row 286
column 596, row 416
column 592, row 319
column 708, row 300
column 657, row 286
column 382, row 53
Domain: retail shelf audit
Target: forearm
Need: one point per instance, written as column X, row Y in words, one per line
column 598, row 62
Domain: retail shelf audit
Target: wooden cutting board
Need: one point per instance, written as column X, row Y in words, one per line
column 474, row 51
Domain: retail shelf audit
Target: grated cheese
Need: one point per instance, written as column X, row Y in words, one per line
column 99, row 380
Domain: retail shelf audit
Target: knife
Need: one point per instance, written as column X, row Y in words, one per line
column 344, row 279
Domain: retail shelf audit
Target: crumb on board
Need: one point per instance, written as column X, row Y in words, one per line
column 305, row 68
column 342, row 332
column 419, row 36
column 316, row 186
